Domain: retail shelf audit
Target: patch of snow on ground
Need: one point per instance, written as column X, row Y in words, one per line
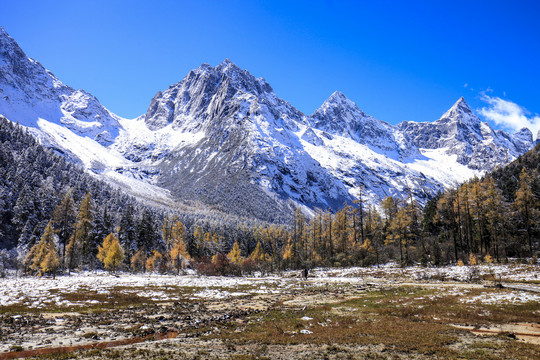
column 36, row 292
column 513, row 297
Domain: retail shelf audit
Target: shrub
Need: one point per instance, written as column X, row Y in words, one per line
column 138, row 262
column 472, row 259
column 219, row 265
column 249, row 266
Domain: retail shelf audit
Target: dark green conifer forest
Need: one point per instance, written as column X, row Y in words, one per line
column 55, row 218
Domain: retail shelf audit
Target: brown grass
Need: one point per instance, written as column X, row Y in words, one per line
column 408, row 320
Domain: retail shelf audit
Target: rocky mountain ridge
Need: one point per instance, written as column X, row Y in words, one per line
column 223, row 138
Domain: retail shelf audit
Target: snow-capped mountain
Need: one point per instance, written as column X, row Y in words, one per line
column 242, row 150
column 475, row 143
column 340, row 116
column 29, row 92
column 223, row 138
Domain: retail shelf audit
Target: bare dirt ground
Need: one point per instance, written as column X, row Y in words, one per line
column 334, row 314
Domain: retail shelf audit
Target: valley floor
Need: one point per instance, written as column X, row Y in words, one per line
column 377, row 312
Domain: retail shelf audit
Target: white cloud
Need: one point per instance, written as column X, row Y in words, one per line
column 509, row 115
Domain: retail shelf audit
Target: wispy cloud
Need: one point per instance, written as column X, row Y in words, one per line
column 509, row 115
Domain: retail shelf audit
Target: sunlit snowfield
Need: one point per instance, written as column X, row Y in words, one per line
column 87, row 307
column 33, row 292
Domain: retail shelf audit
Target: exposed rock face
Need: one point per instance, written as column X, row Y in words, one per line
column 475, row 143
column 28, row 92
column 340, row 116
column 223, row 138
column 249, row 155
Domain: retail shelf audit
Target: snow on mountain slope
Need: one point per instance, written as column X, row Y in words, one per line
column 461, row 133
column 249, row 159
column 223, row 138
column 105, row 163
column 340, row 116
column 28, row 92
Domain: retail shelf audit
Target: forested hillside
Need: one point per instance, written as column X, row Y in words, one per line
column 55, row 217
column 38, row 187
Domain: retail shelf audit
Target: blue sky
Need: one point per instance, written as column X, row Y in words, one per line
column 398, row 60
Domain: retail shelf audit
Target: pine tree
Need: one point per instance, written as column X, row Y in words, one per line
column 155, row 262
column 147, row 236
column 299, row 237
column 198, row 236
column 51, row 262
column 358, row 212
column 127, row 233
column 328, row 239
column 400, row 233
column 103, row 225
column 138, row 262
column 340, row 232
column 288, row 253
column 494, row 210
column 258, row 255
column 374, row 231
column 446, row 219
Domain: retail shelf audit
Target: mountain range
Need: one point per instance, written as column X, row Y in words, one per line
column 222, row 138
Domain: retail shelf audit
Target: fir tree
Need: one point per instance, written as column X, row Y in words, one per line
column 526, row 205
column 147, row 237
column 127, row 232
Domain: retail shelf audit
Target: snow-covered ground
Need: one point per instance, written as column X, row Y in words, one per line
column 511, row 272
column 36, row 292
column 33, row 292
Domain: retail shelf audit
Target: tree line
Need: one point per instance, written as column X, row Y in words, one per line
column 62, row 220
column 469, row 224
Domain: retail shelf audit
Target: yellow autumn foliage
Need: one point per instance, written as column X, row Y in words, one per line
column 110, row 253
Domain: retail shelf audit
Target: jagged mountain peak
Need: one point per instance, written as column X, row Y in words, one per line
column 461, row 133
column 4, row 34
column 213, row 94
column 30, row 92
column 460, row 112
column 221, row 136
column 227, row 65
column 17, row 69
column 340, row 105
column 230, row 73
column 524, row 135
column 338, row 97
column 337, row 113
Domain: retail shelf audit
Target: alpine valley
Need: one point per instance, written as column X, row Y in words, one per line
column 222, row 138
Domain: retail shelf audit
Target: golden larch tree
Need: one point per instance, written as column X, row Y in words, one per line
column 110, row 253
